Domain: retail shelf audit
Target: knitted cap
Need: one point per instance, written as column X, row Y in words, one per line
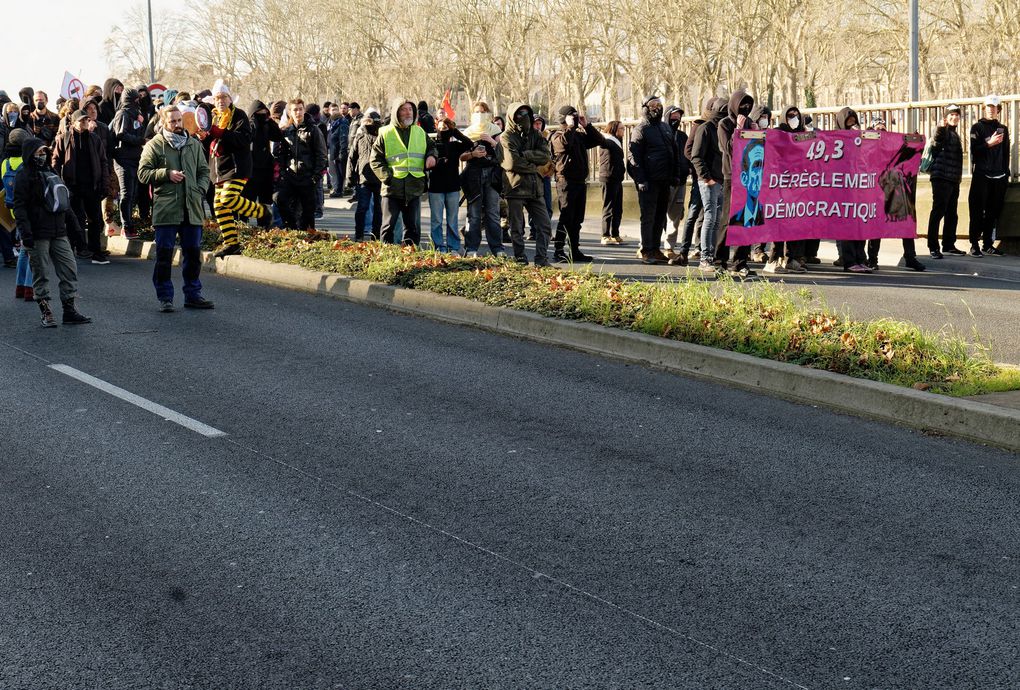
column 220, row 87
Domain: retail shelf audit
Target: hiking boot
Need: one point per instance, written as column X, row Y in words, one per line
column 198, row 303
column 650, row 259
column 166, row 306
column 71, row 315
column 912, row 262
column 228, row 250
column 47, row 314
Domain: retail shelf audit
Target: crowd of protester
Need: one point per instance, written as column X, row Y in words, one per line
column 121, row 159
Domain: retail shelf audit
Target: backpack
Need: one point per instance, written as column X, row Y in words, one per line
column 10, row 170
column 928, row 157
column 55, row 193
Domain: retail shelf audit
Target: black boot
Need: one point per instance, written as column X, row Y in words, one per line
column 47, row 314
column 71, row 315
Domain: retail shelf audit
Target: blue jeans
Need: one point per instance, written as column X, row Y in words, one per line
column 712, row 198
column 191, row 260
column 369, row 211
column 444, row 208
column 484, row 209
column 24, row 278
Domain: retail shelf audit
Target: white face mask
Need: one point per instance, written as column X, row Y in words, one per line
column 763, row 122
column 478, row 119
column 794, row 122
column 571, row 120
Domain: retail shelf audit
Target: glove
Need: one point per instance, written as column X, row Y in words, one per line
column 642, row 187
column 28, row 242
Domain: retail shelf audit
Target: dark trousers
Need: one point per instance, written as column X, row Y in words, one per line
column 538, row 216
column 986, row 200
column 88, row 209
column 7, row 245
column 144, row 193
column 571, row 198
column 722, row 251
column 191, row 260
column 653, row 204
column 945, row 197
column 852, row 252
column 409, row 211
column 694, row 220
column 297, row 204
column 612, row 207
column 127, row 178
column 259, row 187
column 368, row 195
column 874, row 246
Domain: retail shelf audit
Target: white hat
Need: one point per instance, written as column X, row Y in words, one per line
column 993, row 100
column 220, row 87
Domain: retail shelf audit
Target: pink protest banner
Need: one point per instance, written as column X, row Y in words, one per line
column 840, row 185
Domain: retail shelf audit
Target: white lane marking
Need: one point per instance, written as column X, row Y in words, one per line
column 155, row 408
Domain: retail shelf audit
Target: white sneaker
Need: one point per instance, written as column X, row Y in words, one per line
column 606, row 241
column 773, row 267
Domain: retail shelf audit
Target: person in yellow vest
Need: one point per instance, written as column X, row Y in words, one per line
column 400, row 156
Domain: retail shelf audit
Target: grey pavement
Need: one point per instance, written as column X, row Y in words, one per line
column 975, row 298
column 404, row 503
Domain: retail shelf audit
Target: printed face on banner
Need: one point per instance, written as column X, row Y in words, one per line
column 838, row 185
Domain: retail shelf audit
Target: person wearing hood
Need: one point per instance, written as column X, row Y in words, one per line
column 145, row 104
column 366, row 184
column 174, row 163
column 128, row 133
column 793, row 122
column 401, row 156
column 527, row 153
column 760, row 119
column 43, row 231
column 444, row 185
column 25, row 95
column 301, row 155
column 652, row 164
column 989, row 157
column 338, row 145
column 79, row 157
column 612, row 168
column 695, row 216
column 4, row 98
column 678, row 188
column 43, row 122
column 482, row 182
column 946, row 173
column 11, row 121
column 112, row 92
column 570, row 144
column 738, row 116
column 230, row 161
column 264, row 133
column 425, row 119
column 314, row 113
column 852, row 253
column 706, row 159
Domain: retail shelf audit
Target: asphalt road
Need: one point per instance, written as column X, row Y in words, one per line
column 404, row 503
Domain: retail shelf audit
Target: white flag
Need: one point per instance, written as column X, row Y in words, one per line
column 72, row 87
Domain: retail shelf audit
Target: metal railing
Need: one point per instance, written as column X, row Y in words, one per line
column 919, row 116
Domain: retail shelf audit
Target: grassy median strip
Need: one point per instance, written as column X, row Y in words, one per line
column 761, row 319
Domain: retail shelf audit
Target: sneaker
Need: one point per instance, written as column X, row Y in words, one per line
column 522, row 260
column 606, row 241
column 228, row 250
column 993, row 251
column 859, row 268
column 166, row 307
column 678, row 260
column 706, row 267
column 912, row 262
column 100, row 259
column 560, row 257
column 774, row 267
column 740, row 272
column 618, row 241
column 975, row 252
column 937, row 255
column 872, row 264
column 580, row 258
column 837, row 263
column 794, row 266
column 954, row 251
column 47, row 314
column 198, row 303
column 83, row 254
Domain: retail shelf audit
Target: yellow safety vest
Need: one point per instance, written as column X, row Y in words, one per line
column 405, row 160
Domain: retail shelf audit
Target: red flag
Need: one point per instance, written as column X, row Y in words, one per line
column 447, row 108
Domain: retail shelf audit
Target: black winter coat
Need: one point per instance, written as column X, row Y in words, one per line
column 948, row 155
column 445, row 177
column 230, row 152
column 264, row 133
column 34, row 220
column 612, row 164
column 652, row 155
column 69, row 149
column 989, row 161
column 570, row 152
column 359, row 161
column 128, row 132
column 706, row 156
column 302, row 153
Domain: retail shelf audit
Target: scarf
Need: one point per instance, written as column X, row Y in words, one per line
column 475, row 133
column 175, row 140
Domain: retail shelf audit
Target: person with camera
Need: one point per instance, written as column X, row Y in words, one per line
column 301, row 154
column 482, row 182
column 989, row 157
column 79, row 156
column 444, row 184
column 570, row 146
column 41, row 211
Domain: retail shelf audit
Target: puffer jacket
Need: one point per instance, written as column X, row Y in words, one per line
column 948, row 155
column 652, row 154
column 525, row 151
column 34, row 220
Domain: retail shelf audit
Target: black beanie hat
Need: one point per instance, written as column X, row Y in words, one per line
column 564, row 111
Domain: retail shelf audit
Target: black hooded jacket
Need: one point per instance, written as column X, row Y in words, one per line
column 787, row 114
column 359, row 161
column 844, row 115
column 128, row 130
column 652, row 155
column 34, row 220
column 683, row 164
column 425, row 119
column 111, row 101
column 264, row 132
column 570, row 152
column 989, row 161
column 947, row 150
column 728, row 125
column 706, row 155
column 302, row 153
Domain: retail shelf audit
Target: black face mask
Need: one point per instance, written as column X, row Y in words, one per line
column 674, row 124
column 744, row 110
column 371, row 129
column 40, row 106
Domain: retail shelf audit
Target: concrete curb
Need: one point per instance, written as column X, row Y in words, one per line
column 929, row 412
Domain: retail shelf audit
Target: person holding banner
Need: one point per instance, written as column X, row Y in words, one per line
column 230, row 162
column 738, row 115
column 853, row 255
column 706, row 158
